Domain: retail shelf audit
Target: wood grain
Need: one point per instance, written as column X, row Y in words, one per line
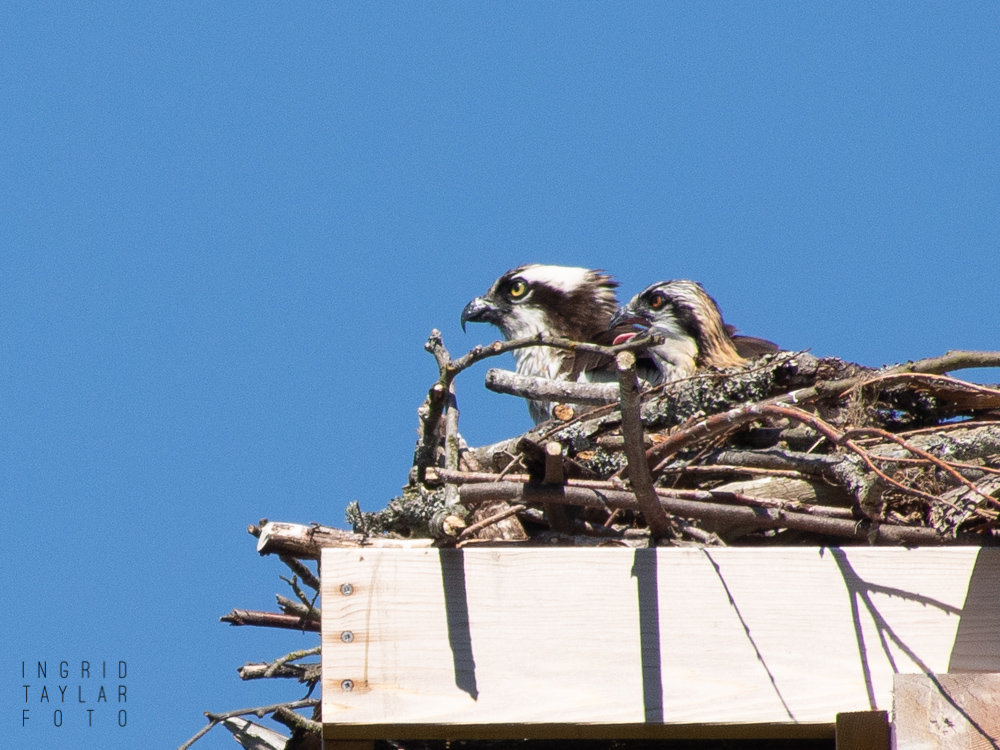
column 947, row 712
column 668, row 637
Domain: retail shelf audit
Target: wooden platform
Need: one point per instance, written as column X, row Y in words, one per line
column 668, row 642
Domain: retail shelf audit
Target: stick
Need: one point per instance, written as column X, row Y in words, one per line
column 297, row 610
column 544, row 389
column 460, row 477
column 635, row 454
column 479, row 353
column 293, row 720
column 956, row 359
column 301, row 541
column 259, row 712
column 293, row 656
column 758, row 517
column 302, row 571
column 268, row 620
column 476, row 527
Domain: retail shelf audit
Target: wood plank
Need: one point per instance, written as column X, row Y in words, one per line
column 627, row 638
column 946, row 712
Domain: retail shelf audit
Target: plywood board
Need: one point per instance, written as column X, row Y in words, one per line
column 611, row 636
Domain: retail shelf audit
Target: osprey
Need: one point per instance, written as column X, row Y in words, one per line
column 575, row 303
column 691, row 323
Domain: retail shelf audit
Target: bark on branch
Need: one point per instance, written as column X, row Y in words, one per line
column 544, row 389
column 635, row 454
column 269, row 620
column 760, row 518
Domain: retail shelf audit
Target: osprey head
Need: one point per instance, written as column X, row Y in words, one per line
column 574, row 303
column 668, row 308
column 689, row 320
column 559, row 300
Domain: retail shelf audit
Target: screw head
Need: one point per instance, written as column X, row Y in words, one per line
column 347, row 685
column 346, row 589
column 347, row 636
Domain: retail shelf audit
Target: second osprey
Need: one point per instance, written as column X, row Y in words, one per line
column 691, row 324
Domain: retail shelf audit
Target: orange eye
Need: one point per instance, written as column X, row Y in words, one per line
column 657, row 301
column 518, row 289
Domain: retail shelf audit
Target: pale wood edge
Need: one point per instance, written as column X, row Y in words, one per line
column 578, row 731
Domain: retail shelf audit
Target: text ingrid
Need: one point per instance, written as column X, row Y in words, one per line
column 88, row 690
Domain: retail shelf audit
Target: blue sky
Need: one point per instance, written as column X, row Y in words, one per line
column 228, row 228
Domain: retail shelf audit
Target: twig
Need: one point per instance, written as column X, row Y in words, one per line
column 519, row 461
column 480, row 353
column 302, row 571
column 463, row 478
column 259, row 712
column 479, row 526
column 956, row 359
column 941, row 464
column 299, row 610
column 970, row 424
column 545, row 389
column 931, row 378
column 635, row 454
column 298, row 672
column 293, row 656
column 923, row 462
column 269, row 620
column 294, row 721
column 294, row 583
column 760, row 518
column 838, row 438
column 451, row 447
column 717, row 423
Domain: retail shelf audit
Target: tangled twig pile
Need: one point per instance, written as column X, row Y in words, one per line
column 788, row 449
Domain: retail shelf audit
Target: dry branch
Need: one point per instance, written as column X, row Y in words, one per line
column 293, row 720
column 301, row 541
column 299, row 568
column 301, row 672
column 298, row 609
column 956, row 359
column 760, row 518
column 269, row 620
column 543, row 389
column 639, row 476
column 260, row 712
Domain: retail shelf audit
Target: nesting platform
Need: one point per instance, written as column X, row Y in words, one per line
column 494, row 642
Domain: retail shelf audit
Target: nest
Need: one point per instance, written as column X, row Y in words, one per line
column 786, row 449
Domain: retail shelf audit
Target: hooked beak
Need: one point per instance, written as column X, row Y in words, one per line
column 627, row 316
column 480, row 311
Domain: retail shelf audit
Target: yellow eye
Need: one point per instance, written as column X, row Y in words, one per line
column 518, row 289
column 657, row 301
